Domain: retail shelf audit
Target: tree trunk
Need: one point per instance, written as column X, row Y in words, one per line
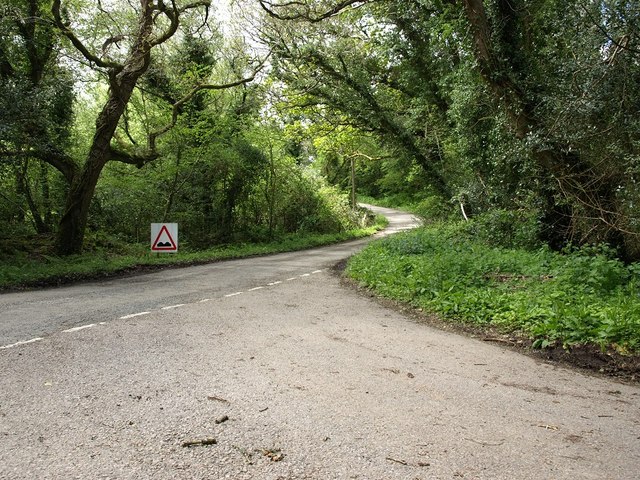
column 122, row 82
column 25, row 190
column 46, row 196
column 76, row 213
column 173, row 190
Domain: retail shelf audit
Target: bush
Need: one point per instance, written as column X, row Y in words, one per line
column 507, row 228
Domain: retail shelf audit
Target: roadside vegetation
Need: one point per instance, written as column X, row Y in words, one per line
column 460, row 271
column 456, row 110
column 109, row 257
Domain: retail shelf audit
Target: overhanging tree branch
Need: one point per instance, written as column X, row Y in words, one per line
column 173, row 15
column 622, row 44
column 177, row 106
column 306, row 14
column 139, row 161
column 48, row 154
column 66, row 31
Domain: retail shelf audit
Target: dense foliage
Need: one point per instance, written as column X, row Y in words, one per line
column 116, row 115
column 520, row 116
column 525, row 106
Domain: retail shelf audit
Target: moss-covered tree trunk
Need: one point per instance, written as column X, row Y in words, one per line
column 122, row 80
column 590, row 195
column 74, row 220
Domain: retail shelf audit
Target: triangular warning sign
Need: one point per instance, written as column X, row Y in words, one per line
column 164, row 241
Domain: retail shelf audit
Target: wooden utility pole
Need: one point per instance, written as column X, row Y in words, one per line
column 353, row 181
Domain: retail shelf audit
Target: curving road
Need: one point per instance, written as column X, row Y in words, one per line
column 293, row 377
column 39, row 313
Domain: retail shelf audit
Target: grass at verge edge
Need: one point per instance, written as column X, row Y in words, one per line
column 551, row 299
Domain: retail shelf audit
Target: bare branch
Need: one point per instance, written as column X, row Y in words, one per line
column 173, row 14
column 622, row 44
column 132, row 159
column 66, row 31
column 177, row 106
column 200, row 3
column 306, row 15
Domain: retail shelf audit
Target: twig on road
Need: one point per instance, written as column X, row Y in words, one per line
column 404, row 462
column 217, row 399
column 199, row 443
column 222, row 419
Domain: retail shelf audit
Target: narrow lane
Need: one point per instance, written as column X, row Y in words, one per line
column 36, row 314
column 292, row 376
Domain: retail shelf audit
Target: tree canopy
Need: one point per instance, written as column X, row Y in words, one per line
column 526, row 106
column 520, row 112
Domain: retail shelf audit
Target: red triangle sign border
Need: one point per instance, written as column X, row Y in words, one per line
column 171, row 248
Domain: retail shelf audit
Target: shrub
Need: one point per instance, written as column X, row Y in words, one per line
column 507, row 228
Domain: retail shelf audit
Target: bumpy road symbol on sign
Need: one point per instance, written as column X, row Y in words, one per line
column 164, row 241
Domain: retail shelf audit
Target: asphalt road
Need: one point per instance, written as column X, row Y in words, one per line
column 39, row 313
column 133, row 379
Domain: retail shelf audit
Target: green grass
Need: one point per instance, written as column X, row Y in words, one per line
column 25, row 271
column 584, row 297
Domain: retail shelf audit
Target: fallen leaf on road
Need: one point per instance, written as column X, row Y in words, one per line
column 274, row 454
column 392, row 370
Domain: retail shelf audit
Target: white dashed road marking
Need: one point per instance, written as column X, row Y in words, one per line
column 133, row 315
column 126, row 317
column 173, row 306
column 77, row 329
column 24, row 342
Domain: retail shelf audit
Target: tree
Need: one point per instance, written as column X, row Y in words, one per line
column 125, row 56
column 519, row 104
column 339, row 64
column 36, row 96
column 514, row 53
column 122, row 76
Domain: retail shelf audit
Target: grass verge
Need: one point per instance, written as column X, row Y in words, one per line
column 586, row 297
column 29, row 271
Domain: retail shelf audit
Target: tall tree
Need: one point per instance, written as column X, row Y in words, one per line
column 514, row 51
column 156, row 23
column 533, row 101
column 337, row 63
column 122, row 56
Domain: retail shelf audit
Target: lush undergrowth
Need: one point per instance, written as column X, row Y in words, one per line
column 582, row 297
column 40, row 269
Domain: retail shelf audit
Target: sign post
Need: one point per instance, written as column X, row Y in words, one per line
column 164, row 237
